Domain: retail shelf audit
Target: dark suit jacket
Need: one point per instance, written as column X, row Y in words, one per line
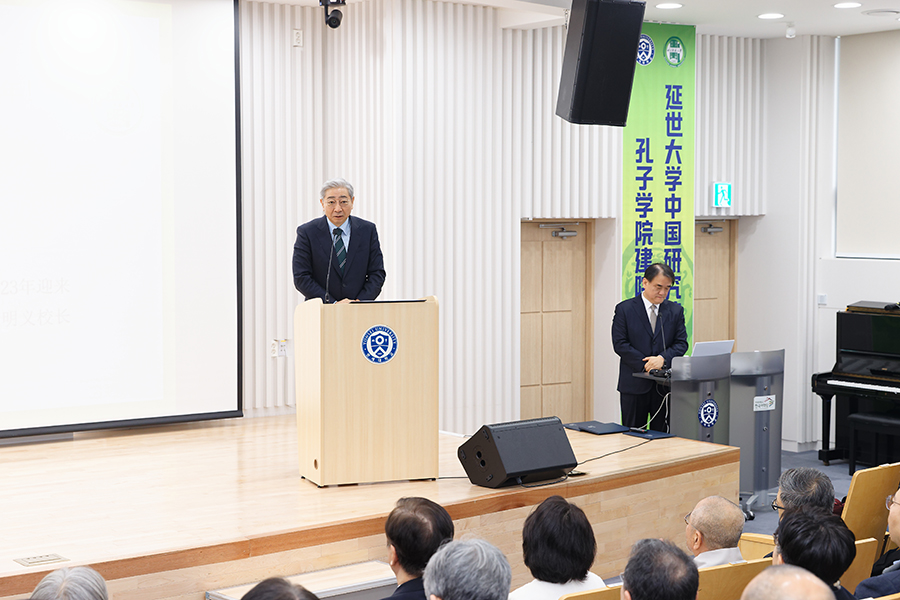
column 882, row 585
column 414, row 589
column 363, row 273
column 633, row 340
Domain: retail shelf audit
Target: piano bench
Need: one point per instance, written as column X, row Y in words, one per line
column 877, row 423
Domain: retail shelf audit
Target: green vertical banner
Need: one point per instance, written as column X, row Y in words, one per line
column 658, row 147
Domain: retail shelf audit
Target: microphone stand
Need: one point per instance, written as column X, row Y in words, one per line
column 335, row 233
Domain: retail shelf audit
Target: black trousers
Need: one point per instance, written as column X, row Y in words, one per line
column 636, row 408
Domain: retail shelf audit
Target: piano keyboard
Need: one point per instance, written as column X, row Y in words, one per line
column 864, row 386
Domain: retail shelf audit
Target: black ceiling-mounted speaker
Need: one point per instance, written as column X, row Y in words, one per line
column 517, row 452
column 598, row 65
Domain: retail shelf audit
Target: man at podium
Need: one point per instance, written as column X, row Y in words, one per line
column 336, row 258
column 648, row 331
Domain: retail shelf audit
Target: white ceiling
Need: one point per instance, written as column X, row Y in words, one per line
column 720, row 17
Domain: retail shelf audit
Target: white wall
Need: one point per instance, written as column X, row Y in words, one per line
column 776, row 253
column 445, row 123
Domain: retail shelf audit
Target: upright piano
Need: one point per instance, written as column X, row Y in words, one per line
column 866, row 373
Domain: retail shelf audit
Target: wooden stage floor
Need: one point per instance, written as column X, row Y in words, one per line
column 170, row 512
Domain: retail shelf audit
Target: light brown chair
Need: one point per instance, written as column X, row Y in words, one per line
column 607, row 593
column 727, row 582
column 755, row 545
column 861, row 567
column 864, row 511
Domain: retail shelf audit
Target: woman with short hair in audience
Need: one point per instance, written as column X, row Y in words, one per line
column 71, row 583
column 276, row 588
column 559, row 547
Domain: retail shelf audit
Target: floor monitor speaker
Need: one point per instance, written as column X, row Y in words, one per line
column 517, row 452
column 599, row 61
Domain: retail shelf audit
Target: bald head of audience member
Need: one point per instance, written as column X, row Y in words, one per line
column 804, row 486
column 659, row 570
column 276, row 588
column 786, row 582
column 715, row 523
column 71, row 583
column 468, row 570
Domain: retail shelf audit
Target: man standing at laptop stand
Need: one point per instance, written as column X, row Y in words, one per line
column 648, row 331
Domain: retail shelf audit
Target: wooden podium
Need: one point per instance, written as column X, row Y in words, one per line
column 365, row 419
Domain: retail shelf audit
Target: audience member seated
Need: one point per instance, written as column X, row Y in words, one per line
column 817, row 541
column 889, row 581
column 559, row 547
column 804, row 486
column 659, row 570
column 468, row 570
column 786, row 582
column 71, row 583
column 713, row 530
column 276, row 588
column 415, row 529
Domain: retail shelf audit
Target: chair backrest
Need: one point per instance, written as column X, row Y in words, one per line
column 607, row 593
column 755, row 545
column 864, row 511
column 727, row 582
column 861, row 567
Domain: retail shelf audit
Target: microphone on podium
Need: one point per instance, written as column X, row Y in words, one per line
column 337, row 232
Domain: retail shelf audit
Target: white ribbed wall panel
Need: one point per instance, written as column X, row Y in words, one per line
column 446, row 125
column 404, row 100
column 729, row 124
column 554, row 168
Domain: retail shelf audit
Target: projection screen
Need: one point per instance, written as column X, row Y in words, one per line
column 119, row 237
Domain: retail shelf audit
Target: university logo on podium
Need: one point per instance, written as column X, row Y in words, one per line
column 708, row 413
column 379, row 344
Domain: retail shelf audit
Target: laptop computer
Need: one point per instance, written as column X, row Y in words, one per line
column 713, row 348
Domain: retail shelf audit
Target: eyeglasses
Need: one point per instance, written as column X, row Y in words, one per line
column 332, row 203
column 775, row 506
column 688, row 522
column 890, row 500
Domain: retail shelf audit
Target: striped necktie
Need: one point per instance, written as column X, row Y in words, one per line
column 339, row 250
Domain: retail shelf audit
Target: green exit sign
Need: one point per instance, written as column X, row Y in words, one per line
column 721, row 195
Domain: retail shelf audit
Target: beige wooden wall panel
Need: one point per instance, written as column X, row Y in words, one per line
column 532, row 332
column 531, row 398
column 556, row 364
column 558, row 274
column 559, row 400
column 714, row 277
column 532, row 271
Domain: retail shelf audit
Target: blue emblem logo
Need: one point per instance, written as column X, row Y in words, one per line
column 646, row 50
column 708, row 413
column 379, row 344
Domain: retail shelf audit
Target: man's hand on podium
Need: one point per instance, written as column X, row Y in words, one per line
column 653, row 362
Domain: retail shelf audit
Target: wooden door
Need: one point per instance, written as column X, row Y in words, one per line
column 556, row 322
column 715, row 271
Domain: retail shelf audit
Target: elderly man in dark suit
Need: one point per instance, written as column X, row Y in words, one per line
column 349, row 246
column 648, row 331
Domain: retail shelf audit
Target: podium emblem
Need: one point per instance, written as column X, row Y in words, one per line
column 708, row 413
column 379, row 344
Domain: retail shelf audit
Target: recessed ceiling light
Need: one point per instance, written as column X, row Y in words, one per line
column 668, row 5
column 771, row 16
column 882, row 12
column 847, row 5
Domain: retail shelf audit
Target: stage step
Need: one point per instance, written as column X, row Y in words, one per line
column 372, row 580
